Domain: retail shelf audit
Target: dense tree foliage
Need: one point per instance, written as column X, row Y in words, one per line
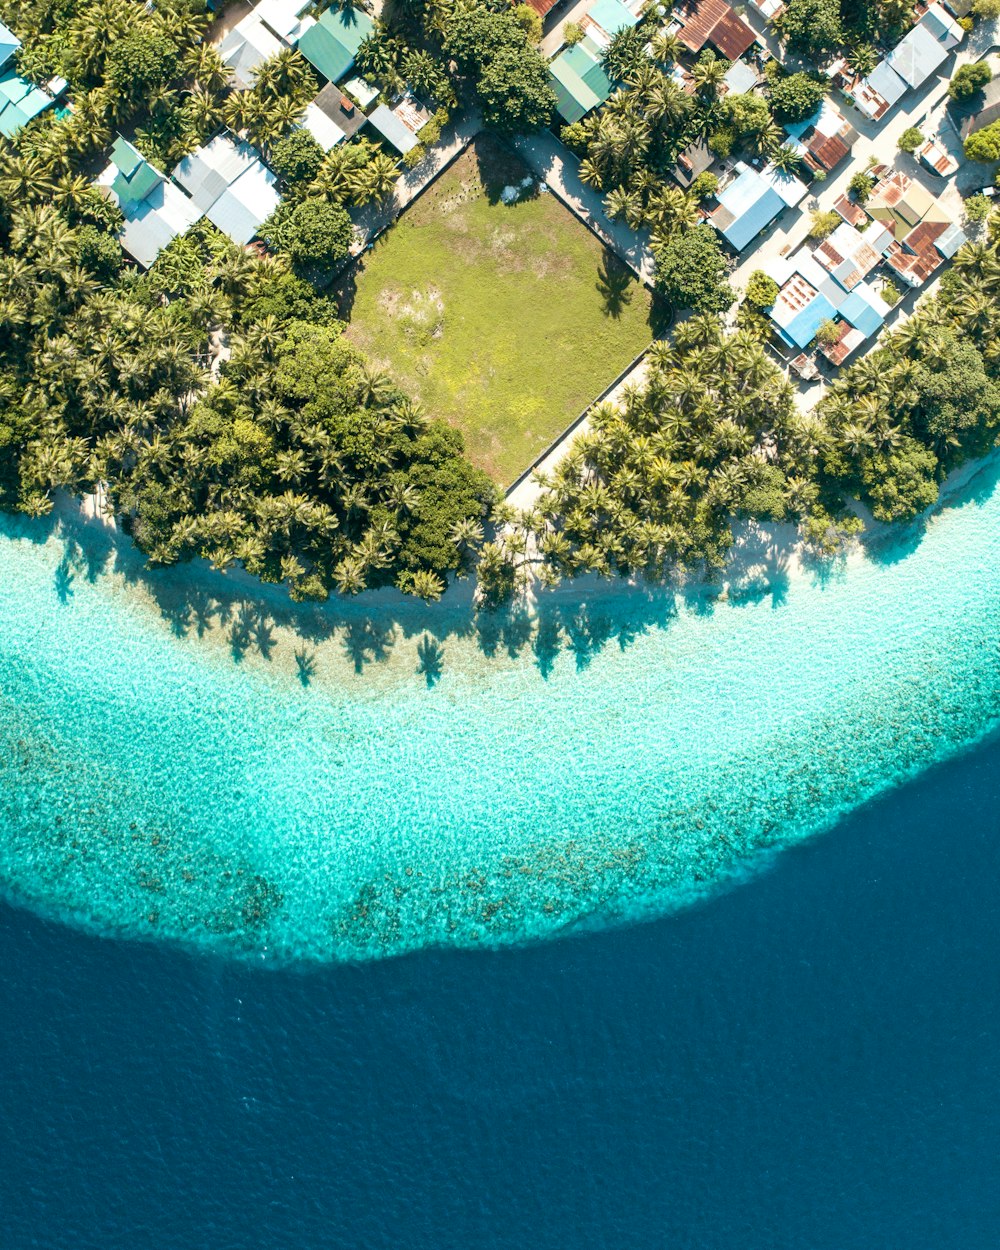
column 795, row 96
column 984, row 145
column 691, row 271
column 969, row 79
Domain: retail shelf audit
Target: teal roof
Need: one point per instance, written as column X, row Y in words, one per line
column 20, row 101
column 136, row 177
column 331, row 43
column 612, row 16
column 579, row 82
column 9, row 44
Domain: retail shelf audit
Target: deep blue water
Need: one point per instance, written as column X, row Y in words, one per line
column 811, row 1061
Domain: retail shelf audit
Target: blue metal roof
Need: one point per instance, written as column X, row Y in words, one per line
column 751, row 214
column 612, row 16
column 801, row 330
column 861, row 315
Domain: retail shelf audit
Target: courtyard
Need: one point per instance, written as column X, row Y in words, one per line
column 504, row 318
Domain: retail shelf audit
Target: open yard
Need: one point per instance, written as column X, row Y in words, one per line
column 505, row 319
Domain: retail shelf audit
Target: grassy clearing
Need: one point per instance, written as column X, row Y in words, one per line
column 506, row 320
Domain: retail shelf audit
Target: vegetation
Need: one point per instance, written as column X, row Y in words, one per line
column 822, row 29
column 691, row 271
column 910, row 140
column 984, row 145
column 969, row 79
column 977, row 209
column 795, row 97
column 504, row 319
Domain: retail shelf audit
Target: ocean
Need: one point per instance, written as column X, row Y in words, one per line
column 647, row 920
column 809, row 1062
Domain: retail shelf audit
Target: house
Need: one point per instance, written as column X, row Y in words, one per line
column 333, row 116
column 979, row 110
column 155, row 210
column 910, row 64
column 605, row 19
column 924, row 250
column 768, row 9
column 20, row 100
column 704, row 22
column 694, row 160
column 810, row 295
column 330, row 43
column 578, row 79
column 925, row 47
column 937, row 159
column 740, row 78
column 752, row 201
column 850, row 256
column 283, row 17
column 230, row 185
column 400, row 124
column 245, row 49
column 824, row 139
column 851, row 211
column 900, row 203
column 875, row 94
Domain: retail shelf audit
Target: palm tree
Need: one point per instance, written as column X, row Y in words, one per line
column 665, row 47
column 785, row 159
column 707, row 77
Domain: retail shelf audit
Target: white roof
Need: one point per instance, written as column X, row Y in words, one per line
column 879, row 91
column 790, row 188
column 155, row 220
column 917, row 56
column 362, row 91
column 246, row 203
column 740, row 77
column 323, row 130
column 207, row 172
column 247, row 46
column 282, row 16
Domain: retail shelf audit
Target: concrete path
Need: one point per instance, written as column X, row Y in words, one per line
column 558, row 167
column 372, row 219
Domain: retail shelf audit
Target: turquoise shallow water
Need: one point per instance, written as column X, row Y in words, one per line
column 169, row 767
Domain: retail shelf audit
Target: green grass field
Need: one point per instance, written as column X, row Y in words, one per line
column 504, row 320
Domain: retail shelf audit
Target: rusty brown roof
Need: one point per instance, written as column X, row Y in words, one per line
column 829, row 150
column 713, row 21
column 542, row 7
column 850, row 211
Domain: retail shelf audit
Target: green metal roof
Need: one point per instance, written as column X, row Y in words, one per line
column 136, row 177
column 579, row 82
column 332, row 42
column 20, row 101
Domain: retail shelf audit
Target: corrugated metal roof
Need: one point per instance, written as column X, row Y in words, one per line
column 612, row 16
column 713, row 21
column 246, row 204
column 9, row 44
column 392, row 128
column 330, row 44
column 917, row 56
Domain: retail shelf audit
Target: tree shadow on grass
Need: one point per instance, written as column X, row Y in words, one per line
column 615, row 284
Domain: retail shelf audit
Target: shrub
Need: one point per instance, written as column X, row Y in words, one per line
column 313, row 233
column 828, row 333
column 573, row 32
column 823, row 223
column 296, row 159
column 910, row 140
column 704, row 185
column 796, row 96
column 891, row 293
column 861, row 185
column 762, row 290
column 969, row 79
column 984, row 145
column 977, row 208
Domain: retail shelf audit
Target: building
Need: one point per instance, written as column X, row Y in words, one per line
column 900, row 203
column 740, row 78
column 579, row 81
column 155, row 210
column 824, row 139
column 401, row 124
column 810, row 296
column 283, row 17
column 694, row 160
column 333, row 116
column 752, row 201
column 20, row 100
column 230, row 185
column 330, row 43
column 768, row 9
column 924, row 250
column 850, row 255
column 712, row 22
column 247, row 46
column 937, row 159
column 910, row 64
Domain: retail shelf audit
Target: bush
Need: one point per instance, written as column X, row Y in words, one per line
column 969, row 79
column 977, row 208
column 313, row 233
column 890, row 292
column 823, row 223
column 984, row 145
column 691, row 271
column 573, row 33
column 796, row 97
column 828, row 333
column 296, row 159
column 704, row 185
column 910, row 140
column 762, row 290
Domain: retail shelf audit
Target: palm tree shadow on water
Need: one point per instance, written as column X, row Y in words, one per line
column 574, row 624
